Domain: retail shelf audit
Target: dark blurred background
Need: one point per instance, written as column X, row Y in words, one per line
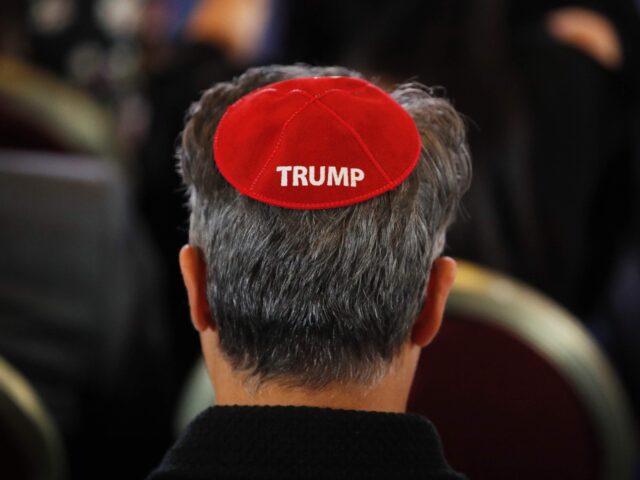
column 93, row 95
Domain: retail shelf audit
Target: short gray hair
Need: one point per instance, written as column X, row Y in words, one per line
column 315, row 297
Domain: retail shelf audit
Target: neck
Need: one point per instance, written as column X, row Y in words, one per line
column 337, row 397
column 390, row 394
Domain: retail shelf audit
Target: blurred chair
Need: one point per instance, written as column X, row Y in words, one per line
column 80, row 311
column 40, row 112
column 518, row 389
column 30, row 447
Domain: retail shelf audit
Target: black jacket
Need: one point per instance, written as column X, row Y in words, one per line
column 307, row 443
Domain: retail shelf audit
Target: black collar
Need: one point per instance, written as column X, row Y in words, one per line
column 305, row 442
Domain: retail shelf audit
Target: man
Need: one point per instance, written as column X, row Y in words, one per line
column 319, row 207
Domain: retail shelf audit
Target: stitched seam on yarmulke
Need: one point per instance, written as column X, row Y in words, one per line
column 279, row 141
column 313, row 99
column 355, row 134
column 358, row 139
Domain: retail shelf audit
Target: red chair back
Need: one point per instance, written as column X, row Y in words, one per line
column 517, row 389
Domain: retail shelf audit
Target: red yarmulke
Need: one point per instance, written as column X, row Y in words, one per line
column 312, row 143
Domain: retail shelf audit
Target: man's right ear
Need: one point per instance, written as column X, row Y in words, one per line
column 194, row 274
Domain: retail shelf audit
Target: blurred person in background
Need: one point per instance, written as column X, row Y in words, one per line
column 581, row 61
column 186, row 45
column 93, row 45
column 177, row 66
column 551, row 91
column 502, row 64
column 36, row 104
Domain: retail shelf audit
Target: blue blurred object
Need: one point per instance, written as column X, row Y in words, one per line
column 179, row 13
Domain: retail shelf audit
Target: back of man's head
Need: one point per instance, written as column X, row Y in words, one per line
column 320, row 296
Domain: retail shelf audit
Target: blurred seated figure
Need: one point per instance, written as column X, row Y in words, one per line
column 579, row 69
column 314, row 274
column 80, row 312
column 39, row 111
column 551, row 89
column 30, row 446
column 588, row 31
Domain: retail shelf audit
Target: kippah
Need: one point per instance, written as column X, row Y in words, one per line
column 316, row 143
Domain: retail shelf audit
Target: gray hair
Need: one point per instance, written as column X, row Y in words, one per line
column 315, row 297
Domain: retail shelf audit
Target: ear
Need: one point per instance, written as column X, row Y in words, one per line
column 194, row 274
column 443, row 274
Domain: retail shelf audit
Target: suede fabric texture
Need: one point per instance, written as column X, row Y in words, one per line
column 316, row 143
